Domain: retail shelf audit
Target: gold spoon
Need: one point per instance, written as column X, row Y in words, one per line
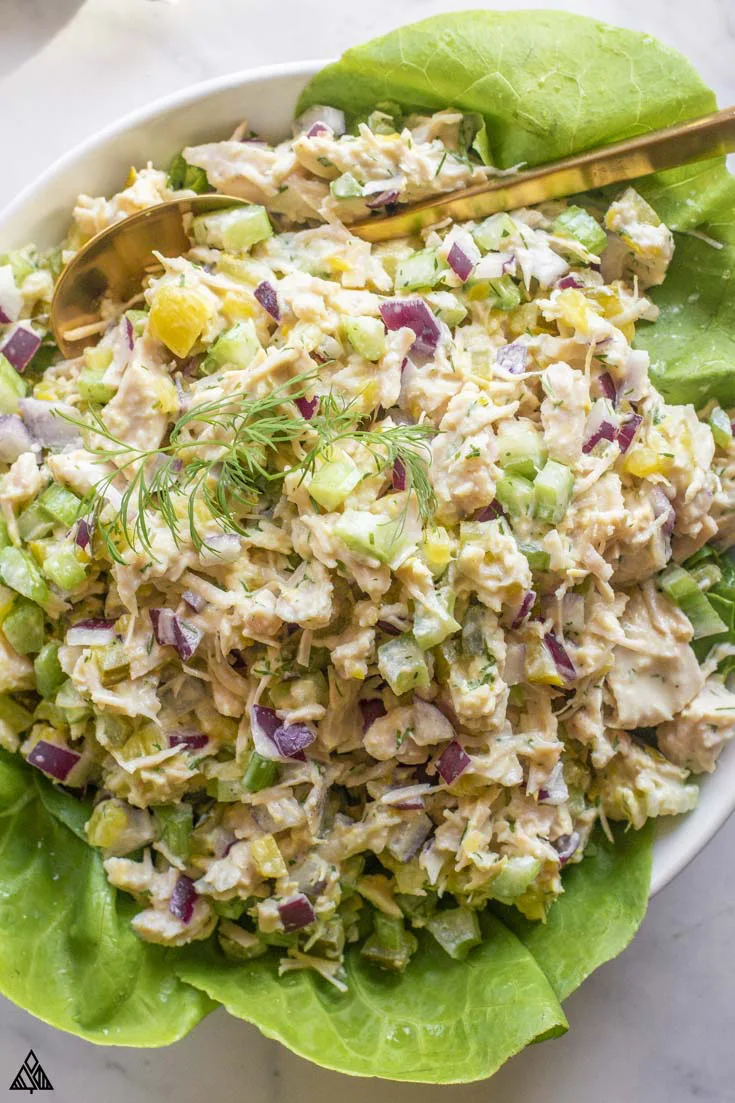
column 116, row 261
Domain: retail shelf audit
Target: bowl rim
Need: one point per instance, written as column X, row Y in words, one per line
column 695, row 829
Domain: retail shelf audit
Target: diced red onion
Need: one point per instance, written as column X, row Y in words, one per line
column 4, row 319
column 524, row 609
column 494, row 265
column 95, row 632
column 410, row 837
column 129, row 332
column 459, row 262
column 293, row 739
column 490, row 513
column 320, row 113
column 662, row 507
column 371, row 711
column 264, row 723
column 14, row 438
column 379, row 193
column 388, row 628
column 296, row 912
column 187, row 638
column 193, row 741
column 512, row 358
column 383, row 198
column 194, row 601
column 307, row 407
column 408, row 797
column 20, row 347
column 557, row 650
column 569, row 281
column 607, row 386
column 45, row 423
column 430, row 724
column 317, row 129
column 58, row 762
column 627, row 431
column 566, row 846
column 602, row 424
column 221, row 547
column 83, row 534
column 413, row 314
column 163, row 626
column 555, row 791
column 399, row 474
column 267, row 296
column 183, row 899
column 452, row 762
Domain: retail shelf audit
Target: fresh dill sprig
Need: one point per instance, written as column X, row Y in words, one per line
column 218, row 463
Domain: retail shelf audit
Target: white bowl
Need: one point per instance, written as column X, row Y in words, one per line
column 266, row 97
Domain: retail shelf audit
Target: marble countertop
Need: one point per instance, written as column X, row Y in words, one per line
column 655, row 1025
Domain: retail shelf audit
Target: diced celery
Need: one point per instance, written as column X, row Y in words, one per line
column 267, row 857
column 236, row 348
column 719, row 423
column 538, row 558
column 70, row 700
column 390, row 945
column 423, row 269
column 98, row 357
column 447, row 307
column 578, row 223
column 14, row 715
column 230, row 909
column 436, row 549
column 235, row 230
column 47, row 669
column 553, row 492
column 60, row 504
column 34, row 522
column 515, row 495
column 706, row 576
column 521, row 449
column 312, row 689
column 432, row 626
column 18, row 571
column 261, row 773
column 372, row 535
column 183, row 176
column 237, row 943
column 417, row 908
column 92, row 386
column 345, row 187
column 177, row 317
column 505, row 292
column 175, row 824
column 401, row 662
column 457, row 931
column 366, row 335
column 20, row 262
column 514, row 878
column 23, row 627
column 490, row 233
column 333, row 482
column 64, row 569
column 226, row 790
column 683, row 590
column 12, row 387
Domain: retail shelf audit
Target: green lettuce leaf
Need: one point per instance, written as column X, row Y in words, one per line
column 549, row 84
column 67, row 952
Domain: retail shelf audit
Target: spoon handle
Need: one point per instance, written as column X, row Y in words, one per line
column 695, row 140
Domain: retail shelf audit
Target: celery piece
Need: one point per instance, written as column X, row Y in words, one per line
column 417, row 908
column 64, row 569
column 490, row 233
column 14, row 715
column 183, row 176
column 47, row 669
column 345, row 187
column 447, row 307
column 553, row 492
column 235, row 230
column 683, row 590
column 20, row 263
column 92, row 387
column 334, row 482
column 431, row 626
column 505, row 292
column 371, row 535
column 578, row 223
column 366, row 335
column 235, row 348
column 402, row 664
column 34, row 522
column 422, row 269
column 226, row 790
column 230, row 909
column 20, row 573
column 71, row 702
column 261, row 773
column 12, row 387
column 175, row 823
column 390, row 945
column 538, row 558
column 515, row 495
column 60, row 504
column 237, row 943
column 521, row 449
column 24, row 628
column 457, row 931
column 312, row 689
column 706, row 576
column 514, row 878
column 719, row 423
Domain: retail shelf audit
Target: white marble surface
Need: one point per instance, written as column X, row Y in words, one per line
column 655, row 1026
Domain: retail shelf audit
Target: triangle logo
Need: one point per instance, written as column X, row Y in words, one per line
column 31, row 1076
